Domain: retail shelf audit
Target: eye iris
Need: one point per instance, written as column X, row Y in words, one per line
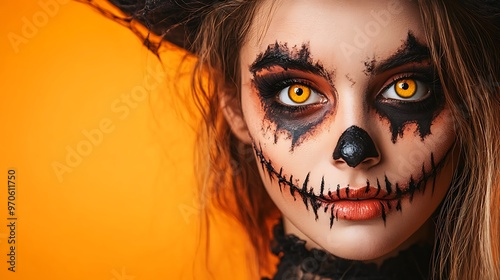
column 406, row 88
column 299, row 93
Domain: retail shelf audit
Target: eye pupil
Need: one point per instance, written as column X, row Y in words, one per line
column 299, row 93
column 406, row 88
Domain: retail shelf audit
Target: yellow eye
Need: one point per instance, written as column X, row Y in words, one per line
column 299, row 93
column 405, row 88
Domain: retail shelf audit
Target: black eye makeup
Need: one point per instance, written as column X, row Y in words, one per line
column 410, row 98
column 291, row 94
column 406, row 88
column 296, row 92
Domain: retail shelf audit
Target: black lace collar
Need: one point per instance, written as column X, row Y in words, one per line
column 297, row 262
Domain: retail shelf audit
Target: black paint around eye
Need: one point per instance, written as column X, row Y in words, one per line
column 289, row 58
column 402, row 113
column 296, row 121
column 354, row 146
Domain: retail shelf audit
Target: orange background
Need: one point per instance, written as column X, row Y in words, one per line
column 102, row 145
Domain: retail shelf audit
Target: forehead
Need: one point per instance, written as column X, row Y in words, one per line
column 337, row 32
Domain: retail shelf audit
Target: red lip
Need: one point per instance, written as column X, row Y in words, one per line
column 363, row 203
column 363, row 209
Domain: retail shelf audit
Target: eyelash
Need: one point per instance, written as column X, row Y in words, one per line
column 423, row 77
column 430, row 103
column 271, row 84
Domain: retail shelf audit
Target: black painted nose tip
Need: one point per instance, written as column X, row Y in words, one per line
column 354, row 146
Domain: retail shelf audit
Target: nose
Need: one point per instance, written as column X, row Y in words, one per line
column 354, row 147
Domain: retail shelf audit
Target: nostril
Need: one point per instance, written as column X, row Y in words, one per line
column 355, row 146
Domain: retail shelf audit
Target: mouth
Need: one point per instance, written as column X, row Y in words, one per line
column 356, row 204
column 360, row 204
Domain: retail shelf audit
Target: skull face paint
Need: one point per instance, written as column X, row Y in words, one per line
column 356, row 165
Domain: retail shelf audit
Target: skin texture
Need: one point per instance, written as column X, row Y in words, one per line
column 379, row 201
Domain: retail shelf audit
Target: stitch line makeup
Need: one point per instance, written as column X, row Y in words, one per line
column 366, row 202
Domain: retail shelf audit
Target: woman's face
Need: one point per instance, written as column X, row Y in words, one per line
column 348, row 122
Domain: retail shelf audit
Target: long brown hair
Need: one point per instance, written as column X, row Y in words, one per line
column 229, row 175
column 463, row 39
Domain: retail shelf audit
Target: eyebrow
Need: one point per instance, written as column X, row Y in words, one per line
column 278, row 54
column 410, row 52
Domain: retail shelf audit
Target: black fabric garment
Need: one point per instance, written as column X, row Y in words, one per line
column 297, row 262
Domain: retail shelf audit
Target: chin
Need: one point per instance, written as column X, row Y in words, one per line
column 368, row 240
column 365, row 241
column 361, row 242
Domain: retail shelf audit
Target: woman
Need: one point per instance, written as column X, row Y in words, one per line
column 373, row 127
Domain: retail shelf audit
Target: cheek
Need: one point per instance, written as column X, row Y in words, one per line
column 262, row 129
column 412, row 153
column 252, row 111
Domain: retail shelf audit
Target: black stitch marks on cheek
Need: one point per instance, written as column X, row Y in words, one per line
column 316, row 201
column 308, row 197
column 412, row 187
column 383, row 212
column 332, row 216
column 304, row 190
column 388, row 185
